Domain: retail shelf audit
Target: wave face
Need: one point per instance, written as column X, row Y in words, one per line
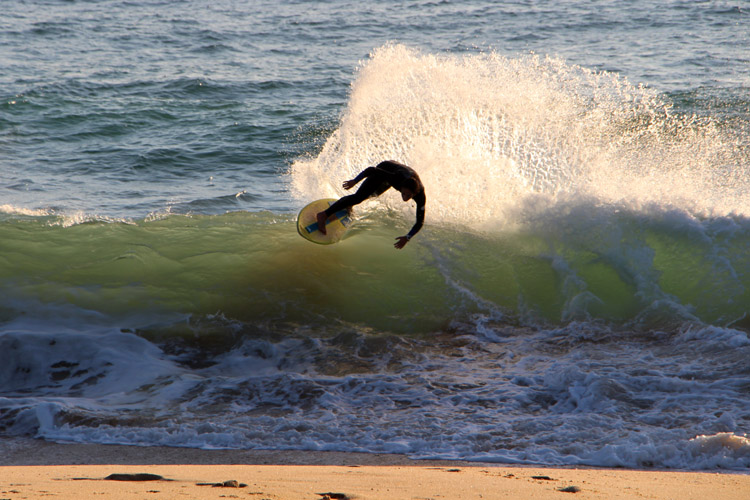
column 578, row 294
column 647, row 269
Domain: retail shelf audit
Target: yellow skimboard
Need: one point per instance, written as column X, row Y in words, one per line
column 336, row 226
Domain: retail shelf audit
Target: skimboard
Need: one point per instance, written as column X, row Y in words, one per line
column 336, row 226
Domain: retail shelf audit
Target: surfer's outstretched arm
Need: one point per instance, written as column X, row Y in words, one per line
column 401, row 241
column 383, row 175
column 351, row 183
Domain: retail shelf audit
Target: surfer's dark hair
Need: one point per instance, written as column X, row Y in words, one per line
column 413, row 185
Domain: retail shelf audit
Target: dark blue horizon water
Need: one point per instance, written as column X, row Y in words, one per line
column 578, row 294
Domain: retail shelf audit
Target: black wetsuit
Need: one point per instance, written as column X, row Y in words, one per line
column 377, row 181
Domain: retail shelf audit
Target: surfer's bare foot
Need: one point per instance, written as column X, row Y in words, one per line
column 322, row 222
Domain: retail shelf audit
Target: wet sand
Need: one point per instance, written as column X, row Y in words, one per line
column 36, row 469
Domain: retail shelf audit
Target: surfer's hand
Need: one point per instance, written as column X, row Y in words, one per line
column 401, row 243
column 350, row 184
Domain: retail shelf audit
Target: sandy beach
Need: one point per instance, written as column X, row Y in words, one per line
column 36, row 469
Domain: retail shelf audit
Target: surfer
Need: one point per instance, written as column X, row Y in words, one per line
column 378, row 179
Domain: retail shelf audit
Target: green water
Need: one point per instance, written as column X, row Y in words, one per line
column 255, row 269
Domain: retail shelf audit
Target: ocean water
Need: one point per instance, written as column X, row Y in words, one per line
column 579, row 294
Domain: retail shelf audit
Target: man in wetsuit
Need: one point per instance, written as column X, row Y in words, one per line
column 387, row 174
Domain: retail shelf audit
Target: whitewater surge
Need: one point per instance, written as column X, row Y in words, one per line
column 489, row 135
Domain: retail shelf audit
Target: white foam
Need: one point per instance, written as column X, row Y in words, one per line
column 486, row 132
column 31, row 212
column 552, row 402
column 716, row 336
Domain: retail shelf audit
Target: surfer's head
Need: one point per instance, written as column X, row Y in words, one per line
column 409, row 188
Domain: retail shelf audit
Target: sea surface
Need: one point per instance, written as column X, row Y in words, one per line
column 579, row 294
